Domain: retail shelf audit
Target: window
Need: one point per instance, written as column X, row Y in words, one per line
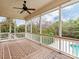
column 20, row 25
column 4, row 27
column 50, row 23
column 29, row 26
column 4, row 24
column 36, row 25
column 20, row 28
column 70, row 17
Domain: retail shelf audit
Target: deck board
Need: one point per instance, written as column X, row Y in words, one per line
column 1, row 51
column 6, row 53
column 26, row 49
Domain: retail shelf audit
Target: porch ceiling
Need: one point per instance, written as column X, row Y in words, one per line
column 6, row 7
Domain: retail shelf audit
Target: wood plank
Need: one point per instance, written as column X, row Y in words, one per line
column 1, row 51
column 6, row 53
column 26, row 49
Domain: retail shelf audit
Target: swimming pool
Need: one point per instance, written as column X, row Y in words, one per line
column 75, row 49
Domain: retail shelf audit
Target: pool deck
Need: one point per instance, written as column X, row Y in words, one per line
column 27, row 49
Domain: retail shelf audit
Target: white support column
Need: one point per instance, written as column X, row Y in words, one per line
column 60, row 27
column 15, row 29
column 60, row 22
column 0, row 28
column 40, row 29
column 40, row 25
column 0, row 31
column 25, row 29
column 31, row 27
column 10, row 28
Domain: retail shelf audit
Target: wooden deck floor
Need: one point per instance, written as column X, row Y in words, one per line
column 25, row 49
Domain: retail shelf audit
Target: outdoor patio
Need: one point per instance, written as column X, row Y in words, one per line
column 49, row 31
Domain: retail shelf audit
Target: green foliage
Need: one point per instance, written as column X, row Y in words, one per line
column 35, row 29
column 52, row 30
column 70, row 28
column 20, row 28
column 5, row 28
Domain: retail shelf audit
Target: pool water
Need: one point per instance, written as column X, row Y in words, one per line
column 67, row 47
column 75, row 49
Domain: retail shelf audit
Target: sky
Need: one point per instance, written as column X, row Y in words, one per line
column 2, row 18
column 20, row 22
column 69, row 12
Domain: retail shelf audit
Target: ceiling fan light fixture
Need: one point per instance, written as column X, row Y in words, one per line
column 24, row 1
column 25, row 8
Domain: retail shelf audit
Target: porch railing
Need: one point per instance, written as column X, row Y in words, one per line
column 10, row 36
column 65, row 45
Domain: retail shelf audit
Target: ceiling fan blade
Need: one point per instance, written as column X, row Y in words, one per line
column 29, row 12
column 31, row 9
column 21, row 11
column 17, row 8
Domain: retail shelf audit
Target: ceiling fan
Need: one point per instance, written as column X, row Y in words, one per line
column 25, row 8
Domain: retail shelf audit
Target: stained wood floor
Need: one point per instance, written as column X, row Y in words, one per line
column 25, row 49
